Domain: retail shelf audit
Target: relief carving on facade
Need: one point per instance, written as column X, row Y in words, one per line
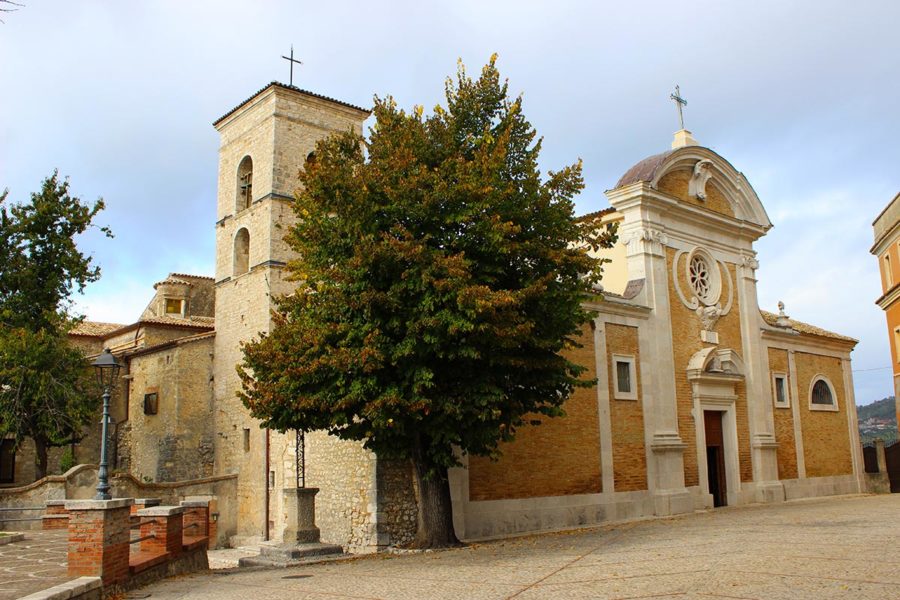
column 710, row 281
column 697, row 184
column 646, row 234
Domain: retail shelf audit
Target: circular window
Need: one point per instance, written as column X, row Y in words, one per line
column 699, row 274
column 703, row 277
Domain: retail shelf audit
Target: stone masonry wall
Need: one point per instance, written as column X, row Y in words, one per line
column 176, row 443
column 277, row 129
column 344, row 472
column 626, row 416
column 396, row 502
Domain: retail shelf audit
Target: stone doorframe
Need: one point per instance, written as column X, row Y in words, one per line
column 713, row 373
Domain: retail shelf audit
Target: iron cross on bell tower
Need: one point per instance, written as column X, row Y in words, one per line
column 680, row 103
column 292, row 61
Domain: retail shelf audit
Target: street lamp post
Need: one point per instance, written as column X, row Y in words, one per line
column 107, row 368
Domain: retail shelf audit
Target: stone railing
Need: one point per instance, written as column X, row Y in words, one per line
column 80, row 482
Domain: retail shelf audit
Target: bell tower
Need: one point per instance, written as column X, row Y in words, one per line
column 265, row 141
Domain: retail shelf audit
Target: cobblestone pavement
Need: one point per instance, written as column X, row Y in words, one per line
column 34, row 564
column 833, row 548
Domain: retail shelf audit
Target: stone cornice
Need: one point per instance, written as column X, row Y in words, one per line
column 260, row 200
column 640, row 194
column 616, row 306
column 889, row 297
column 793, row 340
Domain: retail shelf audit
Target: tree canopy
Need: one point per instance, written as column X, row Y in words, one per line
column 46, row 390
column 441, row 279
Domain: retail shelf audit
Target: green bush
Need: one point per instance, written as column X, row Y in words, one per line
column 67, row 460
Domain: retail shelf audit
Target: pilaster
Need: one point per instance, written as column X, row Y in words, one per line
column 646, row 243
column 760, row 411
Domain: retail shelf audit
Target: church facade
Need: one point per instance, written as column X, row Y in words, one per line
column 701, row 399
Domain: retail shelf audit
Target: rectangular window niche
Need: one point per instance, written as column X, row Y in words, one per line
column 624, row 376
column 780, row 390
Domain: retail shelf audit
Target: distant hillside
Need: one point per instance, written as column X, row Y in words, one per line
column 878, row 419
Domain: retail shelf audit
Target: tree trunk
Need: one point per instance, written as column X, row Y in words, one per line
column 40, row 458
column 435, row 514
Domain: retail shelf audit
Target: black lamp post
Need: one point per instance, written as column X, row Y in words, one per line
column 107, row 368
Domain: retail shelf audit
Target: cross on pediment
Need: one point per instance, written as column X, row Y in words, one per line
column 680, row 103
column 292, row 61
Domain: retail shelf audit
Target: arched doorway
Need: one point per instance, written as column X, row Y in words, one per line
column 714, row 374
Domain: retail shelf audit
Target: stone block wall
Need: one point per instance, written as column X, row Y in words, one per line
column 278, row 129
column 397, row 509
column 177, row 443
column 345, row 474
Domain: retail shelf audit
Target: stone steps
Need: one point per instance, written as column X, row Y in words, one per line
column 287, row 555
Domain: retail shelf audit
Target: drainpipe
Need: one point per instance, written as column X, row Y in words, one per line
column 266, row 486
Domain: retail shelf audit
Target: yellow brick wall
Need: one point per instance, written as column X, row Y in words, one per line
column 627, row 416
column 676, row 184
column 826, row 442
column 784, row 418
column 560, row 456
column 686, row 335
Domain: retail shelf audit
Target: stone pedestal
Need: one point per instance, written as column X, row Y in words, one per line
column 300, row 514
column 301, row 536
column 99, row 535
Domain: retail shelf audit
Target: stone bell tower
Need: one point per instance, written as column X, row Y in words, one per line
column 265, row 141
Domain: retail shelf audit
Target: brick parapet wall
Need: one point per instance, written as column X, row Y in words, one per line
column 163, row 526
column 99, row 532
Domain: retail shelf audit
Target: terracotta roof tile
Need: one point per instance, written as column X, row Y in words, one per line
column 595, row 214
column 644, row 170
column 204, row 322
column 806, row 328
column 170, row 280
column 288, row 87
column 95, row 328
column 171, row 343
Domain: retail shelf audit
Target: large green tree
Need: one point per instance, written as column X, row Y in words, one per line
column 46, row 390
column 440, row 280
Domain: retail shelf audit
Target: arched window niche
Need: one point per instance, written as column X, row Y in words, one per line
column 244, row 184
column 241, row 252
column 822, row 395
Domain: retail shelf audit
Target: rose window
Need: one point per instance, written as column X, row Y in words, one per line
column 700, row 278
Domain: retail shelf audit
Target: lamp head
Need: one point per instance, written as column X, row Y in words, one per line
column 107, row 369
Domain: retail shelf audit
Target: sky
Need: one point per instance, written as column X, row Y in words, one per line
column 801, row 97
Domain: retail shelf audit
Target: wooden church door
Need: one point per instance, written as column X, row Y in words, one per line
column 715, row 456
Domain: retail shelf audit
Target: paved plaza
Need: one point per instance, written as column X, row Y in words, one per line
column 34, row 564
column 819, row 549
